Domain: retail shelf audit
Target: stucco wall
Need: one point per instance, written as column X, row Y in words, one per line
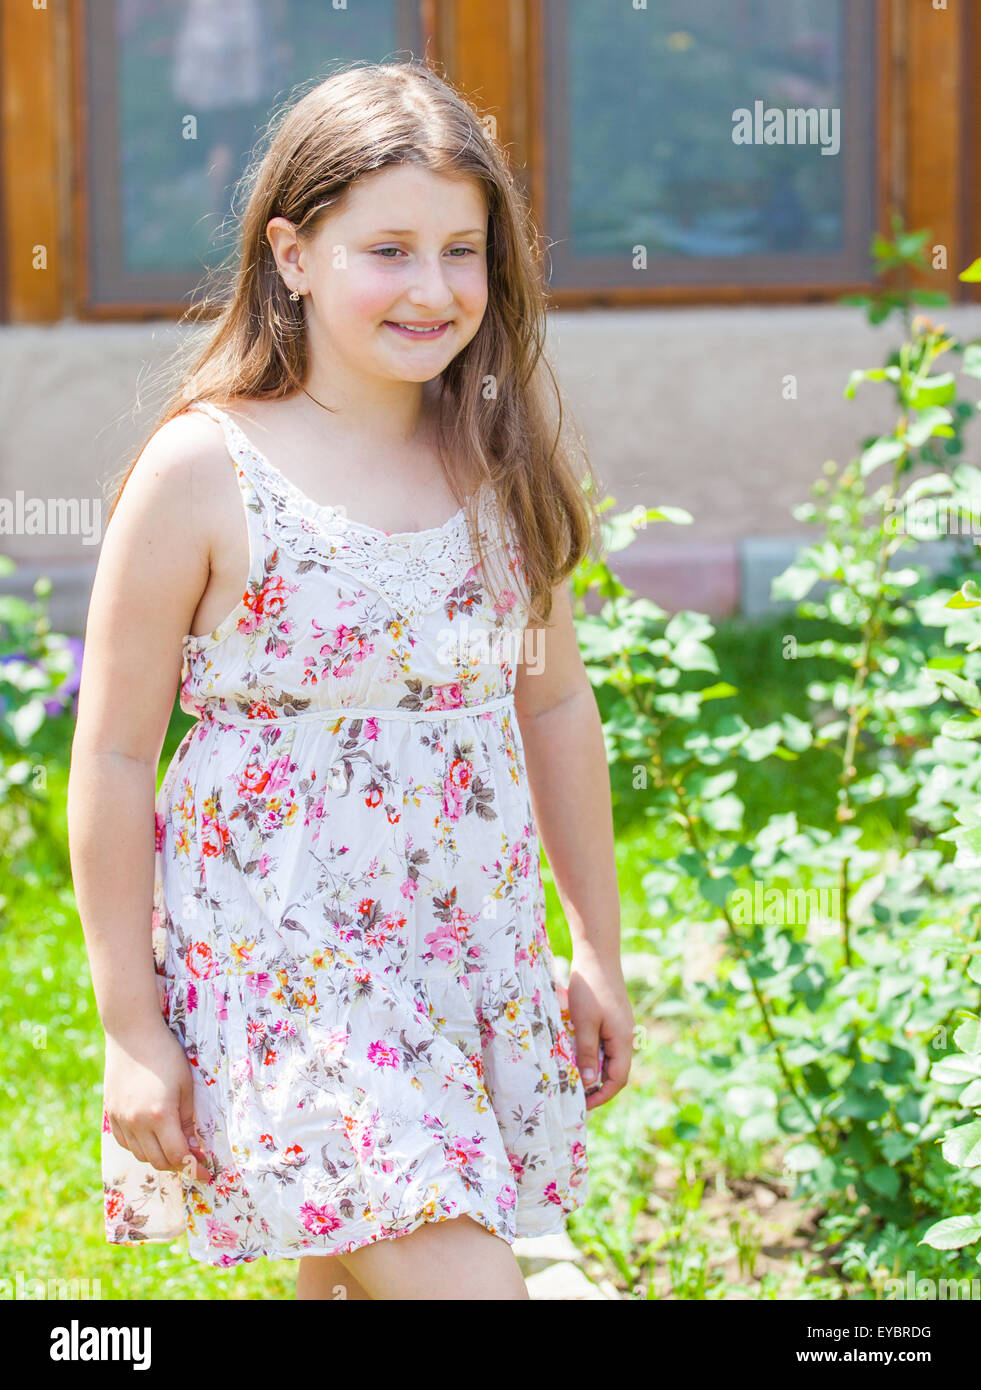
column 682, row 406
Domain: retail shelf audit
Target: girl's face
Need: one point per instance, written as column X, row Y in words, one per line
column 409, row 247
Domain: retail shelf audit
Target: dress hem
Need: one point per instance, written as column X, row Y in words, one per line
column 524, row 1230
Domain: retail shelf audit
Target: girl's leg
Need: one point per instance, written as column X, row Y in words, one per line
column 323, row 1276
column 450, row 1259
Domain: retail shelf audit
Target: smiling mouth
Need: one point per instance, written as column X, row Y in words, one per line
column 418, row 330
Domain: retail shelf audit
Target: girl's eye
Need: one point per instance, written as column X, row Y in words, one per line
column 468, row 250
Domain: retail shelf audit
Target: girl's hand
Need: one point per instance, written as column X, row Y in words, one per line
column 601, row 1013
column 149, row 1100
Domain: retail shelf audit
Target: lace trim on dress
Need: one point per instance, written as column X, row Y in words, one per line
column 414, row 571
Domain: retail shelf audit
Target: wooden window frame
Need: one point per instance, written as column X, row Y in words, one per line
column 929, row 135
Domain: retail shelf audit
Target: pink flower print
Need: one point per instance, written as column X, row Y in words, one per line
column 507, row 1197
column 253, row 780
column 214, row 838
column 462, row 1152
column 320, row 1221
column 341, row 637
column 113, row 1203
column 382, row 1055
column 552, row 1193
column 220, row 1001
column 106, row 1127
column 363, row 1140
column 521, row 860
column 259, row 982
column 200, row 960
column 332, row 1046
column 408, row 889
column 370, row 729
column 192, row 998
column 220, row 1236
column 266, row 602
column 452, row 800
column 517, row 1167
column 447, row 696
column 505, row 602
column 445, row 943
column 578, row 1156
column 460, row 773
column 279, row 774
column 261, row 710
column 241, row 1069
column 158, row 822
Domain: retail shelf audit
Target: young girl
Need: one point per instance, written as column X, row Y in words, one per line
column 349, row 541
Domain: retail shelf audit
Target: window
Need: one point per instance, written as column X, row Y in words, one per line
column 646, row 184
column 176, row 94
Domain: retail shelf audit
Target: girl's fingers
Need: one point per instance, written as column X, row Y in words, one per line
column 616, row 1069
column 155, row 1155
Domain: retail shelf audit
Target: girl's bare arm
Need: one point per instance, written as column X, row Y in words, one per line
column 569, row 779
column 569, row 785
column 153, row 568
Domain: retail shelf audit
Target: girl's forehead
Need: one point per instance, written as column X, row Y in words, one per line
column 371, row 194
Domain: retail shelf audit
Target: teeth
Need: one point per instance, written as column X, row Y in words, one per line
column 434, row 329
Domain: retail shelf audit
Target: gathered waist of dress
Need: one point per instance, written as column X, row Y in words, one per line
column 264, row 714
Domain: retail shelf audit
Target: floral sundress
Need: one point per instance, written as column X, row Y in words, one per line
column 348, row 920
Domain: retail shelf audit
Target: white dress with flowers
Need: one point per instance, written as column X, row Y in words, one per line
column 349, row 917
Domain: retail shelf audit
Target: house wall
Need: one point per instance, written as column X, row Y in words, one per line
column 678, row 406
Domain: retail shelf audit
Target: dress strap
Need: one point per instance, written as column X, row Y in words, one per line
column 253, row 496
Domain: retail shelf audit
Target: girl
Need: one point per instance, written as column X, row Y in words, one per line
column 344, row 1025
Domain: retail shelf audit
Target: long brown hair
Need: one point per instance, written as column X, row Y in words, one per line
column 494, row 413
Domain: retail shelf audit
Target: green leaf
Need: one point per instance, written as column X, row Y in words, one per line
column 972, row 360
column 748, row 1100
column 716, row 890
column 691, row 655
column 962, row 1147
column 968, row 1036
column 871, row 374
column 794, row 582
column 955, row 1231
column 935, row 390
column 879, row 452
column 966, row 691
column 883, row 1179
column 929, row 423
column 677, row 515
column 721, row 690
column 956, row 1069
column 802, row 1158
column 969, row 596
column 961, row 728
